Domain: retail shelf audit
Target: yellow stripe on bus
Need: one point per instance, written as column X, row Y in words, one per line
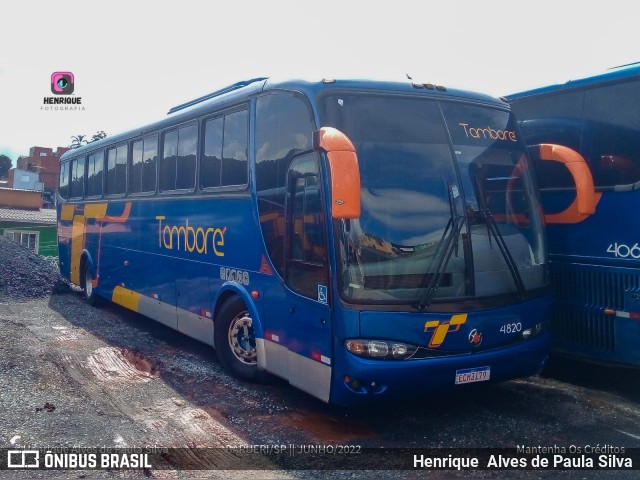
column 77, row 247
column 126, row 298
column 66, row 213
column 95, row 210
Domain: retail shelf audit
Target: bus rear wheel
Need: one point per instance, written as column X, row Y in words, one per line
column 235, row 341
column 89, row 292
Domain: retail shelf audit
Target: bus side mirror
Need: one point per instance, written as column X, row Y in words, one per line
column 343, row 167
column 586, row 196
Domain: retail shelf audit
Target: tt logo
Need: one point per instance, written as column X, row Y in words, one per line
column 440, row 329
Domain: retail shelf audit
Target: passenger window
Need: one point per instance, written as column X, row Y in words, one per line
column 116, row 180
column 178, row 165
column 77, row 178
column 63, row 190
column 95, row 169
column 142, row 173
column 611, row 143
column 224, row 162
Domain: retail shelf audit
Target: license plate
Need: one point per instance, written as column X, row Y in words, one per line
column 471, row 375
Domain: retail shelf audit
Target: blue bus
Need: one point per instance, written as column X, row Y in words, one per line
column 361, row 239
column 595, row 259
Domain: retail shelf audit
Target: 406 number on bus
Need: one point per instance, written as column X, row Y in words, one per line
column 621, row 250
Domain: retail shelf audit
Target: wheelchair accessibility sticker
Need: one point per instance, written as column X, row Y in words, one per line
column 322, row 294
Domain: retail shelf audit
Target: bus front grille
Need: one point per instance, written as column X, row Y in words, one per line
column 592, row 286
column 582, row 293
column 571, row 326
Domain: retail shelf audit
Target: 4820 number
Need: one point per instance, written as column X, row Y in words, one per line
column 511, row 328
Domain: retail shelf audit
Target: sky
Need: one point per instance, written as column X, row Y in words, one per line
column 132, row 60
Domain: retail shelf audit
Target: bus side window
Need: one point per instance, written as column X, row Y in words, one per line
column 307, row 238
column 116, row 178
column 616, row 170
column 178, row 161
column 77, row 178
column 95, row 169
column 306, row 268
column 283, row 129
column 142, row 170
column 64, row 180
column 224, row 160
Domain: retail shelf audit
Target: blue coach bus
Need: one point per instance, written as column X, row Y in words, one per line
column 595, row 259
column 361, row 239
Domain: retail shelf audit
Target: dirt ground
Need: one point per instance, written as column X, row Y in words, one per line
column 72, row 375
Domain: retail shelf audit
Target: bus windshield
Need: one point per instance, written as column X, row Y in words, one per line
column 448, row 205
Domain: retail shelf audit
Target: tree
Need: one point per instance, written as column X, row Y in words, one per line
column 99, row 135
column 77, row 141
column 5, row 165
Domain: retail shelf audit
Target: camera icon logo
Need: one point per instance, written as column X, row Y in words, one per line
column 62, row 83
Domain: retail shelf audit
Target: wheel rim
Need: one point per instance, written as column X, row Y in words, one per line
column 242, row 339
column 88, row 285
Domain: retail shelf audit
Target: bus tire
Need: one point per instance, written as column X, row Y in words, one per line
column 235, row 341
column 87, row 284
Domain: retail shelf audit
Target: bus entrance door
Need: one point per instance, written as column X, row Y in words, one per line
column 308, row 320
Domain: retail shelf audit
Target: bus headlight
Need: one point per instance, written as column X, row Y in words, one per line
column 380, row 349
column 532, row 332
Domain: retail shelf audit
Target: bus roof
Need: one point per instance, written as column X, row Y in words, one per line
column 612, row 75
column 243, row 90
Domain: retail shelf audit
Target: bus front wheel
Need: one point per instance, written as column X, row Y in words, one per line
column 235, row 341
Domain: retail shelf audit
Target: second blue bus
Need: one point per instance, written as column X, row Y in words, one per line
column 595, row 257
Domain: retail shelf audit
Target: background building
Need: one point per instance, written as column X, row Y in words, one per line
column 25, row 180
column 33, row 229
column 32, row 186
column 22, row 199
column 45, row 162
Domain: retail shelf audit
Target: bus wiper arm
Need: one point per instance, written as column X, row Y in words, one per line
column 451, row 244
column 447, row 245
column 504, row 250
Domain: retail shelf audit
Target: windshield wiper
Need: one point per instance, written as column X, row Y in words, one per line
column 493, row 229
column 446, row 246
